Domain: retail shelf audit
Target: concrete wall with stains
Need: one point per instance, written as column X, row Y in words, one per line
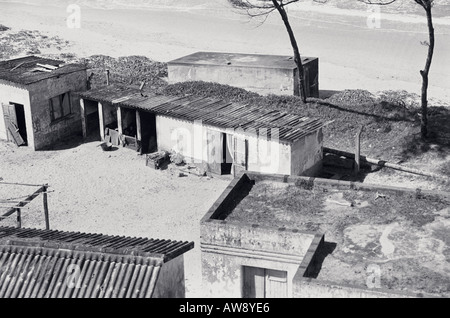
column 256, row 79
column 46, row 131
column 307, row 155
column 12, row 94
column 171, row 280
column 227, row 247
column 181, row 136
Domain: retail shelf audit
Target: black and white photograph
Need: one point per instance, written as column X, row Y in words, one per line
column 242, row 151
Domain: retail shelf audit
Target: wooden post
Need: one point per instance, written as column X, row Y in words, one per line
column 45, row 201
column 19, row 218
column 138, row 125
column 83, row 118
column 102, row 122
column 119, row 120
column 358, row 151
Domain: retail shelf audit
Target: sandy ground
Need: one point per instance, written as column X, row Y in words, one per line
column 112, row 193
column 352, row 55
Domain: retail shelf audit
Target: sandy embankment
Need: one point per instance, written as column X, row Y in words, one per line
column 351, row 54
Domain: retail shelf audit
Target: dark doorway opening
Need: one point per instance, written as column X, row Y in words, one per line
column 92, row 121
column 148, row 133
column 21, row 122
column 227, row 160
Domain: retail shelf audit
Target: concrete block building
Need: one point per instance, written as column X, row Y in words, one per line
column 285, row 236
column 263, row 74
column 225, row 136
column 38, row 106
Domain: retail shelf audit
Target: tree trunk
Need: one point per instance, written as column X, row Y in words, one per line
column 424, row 73
column 297, row 57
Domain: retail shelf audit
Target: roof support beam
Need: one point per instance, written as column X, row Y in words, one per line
column 101, row 120
column 83, row 118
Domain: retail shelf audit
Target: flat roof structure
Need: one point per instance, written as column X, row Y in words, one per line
column 31, row 69
column 379, row 241
column 241, row 60
column 210, row 111
column 42, row 263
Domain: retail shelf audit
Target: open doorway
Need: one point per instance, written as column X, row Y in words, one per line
column 92, row 122
column 148, row 130
column 129, row 125
column 21, row 122
column 15, row 123
column 228, row 160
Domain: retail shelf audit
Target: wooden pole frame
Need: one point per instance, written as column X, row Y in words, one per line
column 101, row 121
column 21, row 204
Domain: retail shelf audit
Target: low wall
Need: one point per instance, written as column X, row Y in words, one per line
column 228, row 246
column 312, row 288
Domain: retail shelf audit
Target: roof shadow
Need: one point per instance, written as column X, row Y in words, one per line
column 325, row 249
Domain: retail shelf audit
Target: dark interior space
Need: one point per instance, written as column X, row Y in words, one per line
column 227, row 163
column 148, row 130
column 92, row 121
column 21, row 123
column 129, row 125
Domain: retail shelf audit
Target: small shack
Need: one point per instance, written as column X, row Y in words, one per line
column 284, row 236
column 263, row 74
column 55, row 264
column 37, row 104
column 226, row 137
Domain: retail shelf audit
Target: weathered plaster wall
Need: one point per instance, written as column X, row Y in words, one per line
column 182, row 137
column 266, row 156
column 45, row 131
column 261, row 80
column 227, row 247
column 171, row 280
column 222, row 274
column 307, row 155
column 19, row 96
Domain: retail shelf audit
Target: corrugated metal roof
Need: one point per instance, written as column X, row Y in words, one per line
column 165, row 249
column 24, row 71
column 27, row 272
column 55, row 264
column 214, row 112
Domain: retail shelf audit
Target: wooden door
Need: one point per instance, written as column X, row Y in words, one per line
column 276, row 284
column 264, row 283
column 11, row 125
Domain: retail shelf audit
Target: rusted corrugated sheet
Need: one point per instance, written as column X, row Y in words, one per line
column 210, row 111
column 33, row 272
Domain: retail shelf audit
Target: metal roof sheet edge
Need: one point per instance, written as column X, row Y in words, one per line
column 85, row 242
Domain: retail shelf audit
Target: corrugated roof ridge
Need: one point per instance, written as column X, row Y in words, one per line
column 240, row 114
column 97, row 243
